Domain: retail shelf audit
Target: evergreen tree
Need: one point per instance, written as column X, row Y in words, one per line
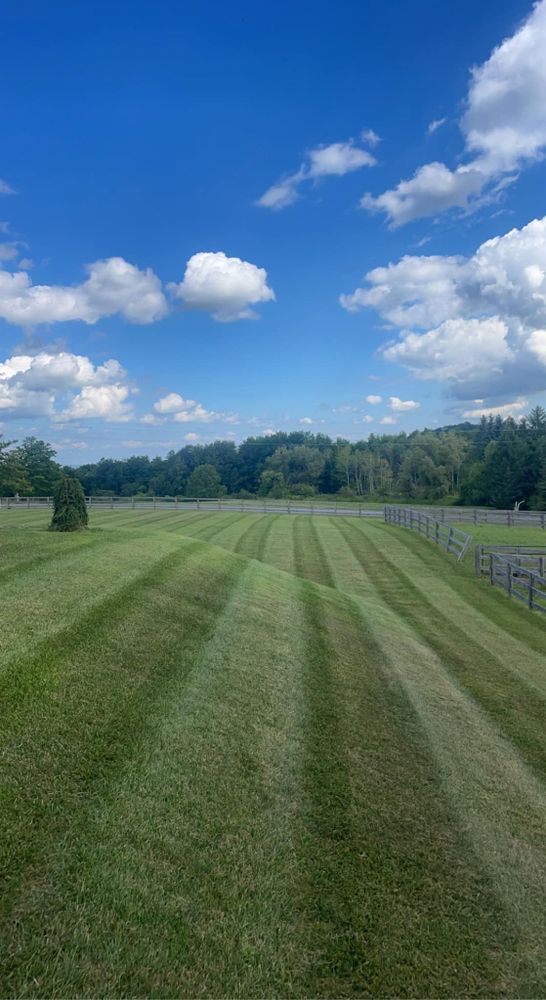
column 70, row 511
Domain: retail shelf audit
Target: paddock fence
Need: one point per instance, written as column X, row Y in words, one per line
column 517, row 570
column 488, row 515
column 446, row 536
column 522, row 556
column 181, row 504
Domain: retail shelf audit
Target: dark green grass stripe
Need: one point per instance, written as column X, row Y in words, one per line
column 253, row 542
column 507, row 615
column 519, row 710
column 399, row 904
column 309, row 555
column 74, row 712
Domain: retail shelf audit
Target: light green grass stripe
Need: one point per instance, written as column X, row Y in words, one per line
column 499, row 802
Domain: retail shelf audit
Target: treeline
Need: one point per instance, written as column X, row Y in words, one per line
column 494, row 463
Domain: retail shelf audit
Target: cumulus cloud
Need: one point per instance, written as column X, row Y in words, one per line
column 185, row 411
column 306, row 420
column 503, row 128
column 113, row 286
column 110, row 402
column 191, row 436
column 6, row 188
column 374, row 400
column 226, row 287
column 333, row 160
column 479, row 322
column 402, row 405
column 387, row 421
column 172, row 402
column 34, row 385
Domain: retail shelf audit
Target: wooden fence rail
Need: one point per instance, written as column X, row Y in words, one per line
column 518, row 582
column 529, row 557
column 445, row 535
column 265, row 505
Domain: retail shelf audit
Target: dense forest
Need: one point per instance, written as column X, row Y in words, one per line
column 494, row 463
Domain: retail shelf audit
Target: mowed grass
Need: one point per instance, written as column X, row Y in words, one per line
column 248, row 755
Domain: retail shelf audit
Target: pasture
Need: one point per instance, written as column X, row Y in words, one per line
column 266, row 755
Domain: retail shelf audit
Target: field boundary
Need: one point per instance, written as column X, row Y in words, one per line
column 446, row 536
column 360, row 508
column 505, row 569
column 181, row 504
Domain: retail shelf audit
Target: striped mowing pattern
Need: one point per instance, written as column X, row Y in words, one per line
column 246, row 755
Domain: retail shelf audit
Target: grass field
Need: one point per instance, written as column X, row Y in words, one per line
column 257, row 755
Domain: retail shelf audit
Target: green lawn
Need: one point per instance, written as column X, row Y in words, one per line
column 251, row 755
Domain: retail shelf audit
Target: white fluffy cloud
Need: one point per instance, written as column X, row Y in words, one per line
column 503, row 127
column 332, row 160
column 402, row 405
column 113, row 286
column 374, row 400
column 34, row 385
column 387, row 421
column 185, row 411
column 172, row 402
column 477, row 319
column 226, row 287
column 109, row 402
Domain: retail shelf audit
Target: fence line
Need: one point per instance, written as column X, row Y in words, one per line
column 517, row 581
column 445, row 535
column 489, row 515
column 529, row 557
column 446, row 515
column 265, row 506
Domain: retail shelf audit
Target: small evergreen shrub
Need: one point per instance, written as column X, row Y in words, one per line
column 69, row 511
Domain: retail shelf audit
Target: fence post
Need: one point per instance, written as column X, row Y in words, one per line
column 531, row 601
column 509, row 579
column 478, row 560
column 491, row 570
column 542, row 520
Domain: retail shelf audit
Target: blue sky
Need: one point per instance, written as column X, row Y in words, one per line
column 192, row 197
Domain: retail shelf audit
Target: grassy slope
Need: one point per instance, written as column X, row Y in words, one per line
column 222, row 779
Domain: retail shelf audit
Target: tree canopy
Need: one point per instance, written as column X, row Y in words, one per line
column 494, row 463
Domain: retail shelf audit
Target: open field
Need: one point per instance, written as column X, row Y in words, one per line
column 252, row 755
